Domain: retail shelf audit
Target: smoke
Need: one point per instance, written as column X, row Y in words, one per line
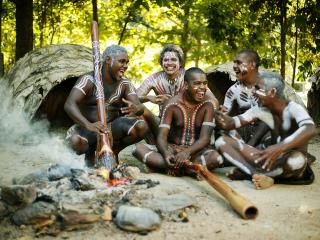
column 29, row 143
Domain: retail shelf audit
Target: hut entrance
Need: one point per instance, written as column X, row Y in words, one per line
column 52, row 106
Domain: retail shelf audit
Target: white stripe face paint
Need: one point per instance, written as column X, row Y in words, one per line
column 297, row 161
column 261, row 92
column 294, row 135
column 237, row 163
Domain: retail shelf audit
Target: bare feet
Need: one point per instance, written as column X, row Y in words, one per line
column 236, row 174
column 262, row 181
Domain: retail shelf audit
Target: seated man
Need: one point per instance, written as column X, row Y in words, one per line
column 246, row 67
column 283, row 161
column 122, row 107
column 185, row 129
column 165, row 84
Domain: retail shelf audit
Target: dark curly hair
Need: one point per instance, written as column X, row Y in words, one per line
column 172, row 48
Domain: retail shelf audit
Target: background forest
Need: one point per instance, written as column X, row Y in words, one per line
column 285, row 33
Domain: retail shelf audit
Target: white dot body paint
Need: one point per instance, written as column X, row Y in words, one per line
column 220, row 159
column 220, row 142
column 296, row 161
column 237, row 163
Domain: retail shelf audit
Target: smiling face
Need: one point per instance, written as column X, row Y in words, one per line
column 261, row 93
column 244, row 67
column 170, row 63
column 118, row 65
column 196, row 86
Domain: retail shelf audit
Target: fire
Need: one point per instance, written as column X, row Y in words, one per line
column 108, row 177
column 104, row 173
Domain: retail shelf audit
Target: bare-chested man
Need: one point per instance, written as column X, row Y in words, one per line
column 292, row 127
column 166, row 84
column 122, row 107
column 185, row 129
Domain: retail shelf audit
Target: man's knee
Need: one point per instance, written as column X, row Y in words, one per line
column 296, row 161
column 78, row 144
column 140, row 129
column 220, row 142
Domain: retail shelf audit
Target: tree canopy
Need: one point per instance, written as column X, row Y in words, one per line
column 285, row 33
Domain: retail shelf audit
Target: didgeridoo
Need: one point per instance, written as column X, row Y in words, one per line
column 241, row 205
column 104, row 154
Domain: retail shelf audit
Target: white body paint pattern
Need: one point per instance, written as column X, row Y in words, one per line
column 296, row 161
column 242, row 95
column 82, row 82
column 237, row 163
column 295, row 111
column 258, row 113
column 294, row 135
column 219, row 142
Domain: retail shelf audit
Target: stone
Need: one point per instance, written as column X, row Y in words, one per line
column 20, row 195
column 34, row 214
column 137, row 219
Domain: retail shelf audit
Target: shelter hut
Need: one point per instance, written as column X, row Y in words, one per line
column 41, row 81
column 221, row 77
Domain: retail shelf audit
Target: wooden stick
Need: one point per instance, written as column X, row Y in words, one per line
column 244, row 207
column 104, row 154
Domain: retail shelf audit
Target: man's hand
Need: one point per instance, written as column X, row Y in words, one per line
column 269, row 156
column 97, row 127
column 181, row 157
column 224, row 121
column 159, row 99
column 223, row 109
column 169, row 158
column 131, row 108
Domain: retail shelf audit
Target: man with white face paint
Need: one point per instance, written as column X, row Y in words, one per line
column 165, row 84
column 284, row 161
column 246, row 66
column 122, row 107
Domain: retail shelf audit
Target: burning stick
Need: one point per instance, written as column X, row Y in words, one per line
column 104, row 155
column 243, row 206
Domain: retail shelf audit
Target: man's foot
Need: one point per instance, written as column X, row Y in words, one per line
column 262, row 181
column 236, row 174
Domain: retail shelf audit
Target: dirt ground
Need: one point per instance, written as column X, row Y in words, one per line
column 285, row 212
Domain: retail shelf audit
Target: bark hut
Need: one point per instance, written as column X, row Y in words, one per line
column 313, row 105
column 221, row 77
column 41, row 81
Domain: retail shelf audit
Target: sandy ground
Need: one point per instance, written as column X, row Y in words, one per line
column 285, row 212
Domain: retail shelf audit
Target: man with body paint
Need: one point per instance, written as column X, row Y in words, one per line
column 165, row 84
column 284, row 161
column 185, row 129
column 122, row 107
column 246, row 66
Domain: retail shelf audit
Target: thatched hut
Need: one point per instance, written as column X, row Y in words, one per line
column 41, row 81
column 221, row 77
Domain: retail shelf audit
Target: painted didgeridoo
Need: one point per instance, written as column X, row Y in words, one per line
column 104, row 154
column 240, row 204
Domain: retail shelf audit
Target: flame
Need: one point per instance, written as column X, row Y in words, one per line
column 104, row 173
column 117, row 182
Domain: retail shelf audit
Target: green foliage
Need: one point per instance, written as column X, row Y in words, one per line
column 209, row 31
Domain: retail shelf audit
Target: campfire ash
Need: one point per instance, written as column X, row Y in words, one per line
column 61, row 198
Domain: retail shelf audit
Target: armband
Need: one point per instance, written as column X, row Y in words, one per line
column 237, row 122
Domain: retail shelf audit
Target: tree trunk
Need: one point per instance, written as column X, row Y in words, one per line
column 295, row 49
column 95, row 10
column 283, row 29
column 24, row 29
column 185, row 32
